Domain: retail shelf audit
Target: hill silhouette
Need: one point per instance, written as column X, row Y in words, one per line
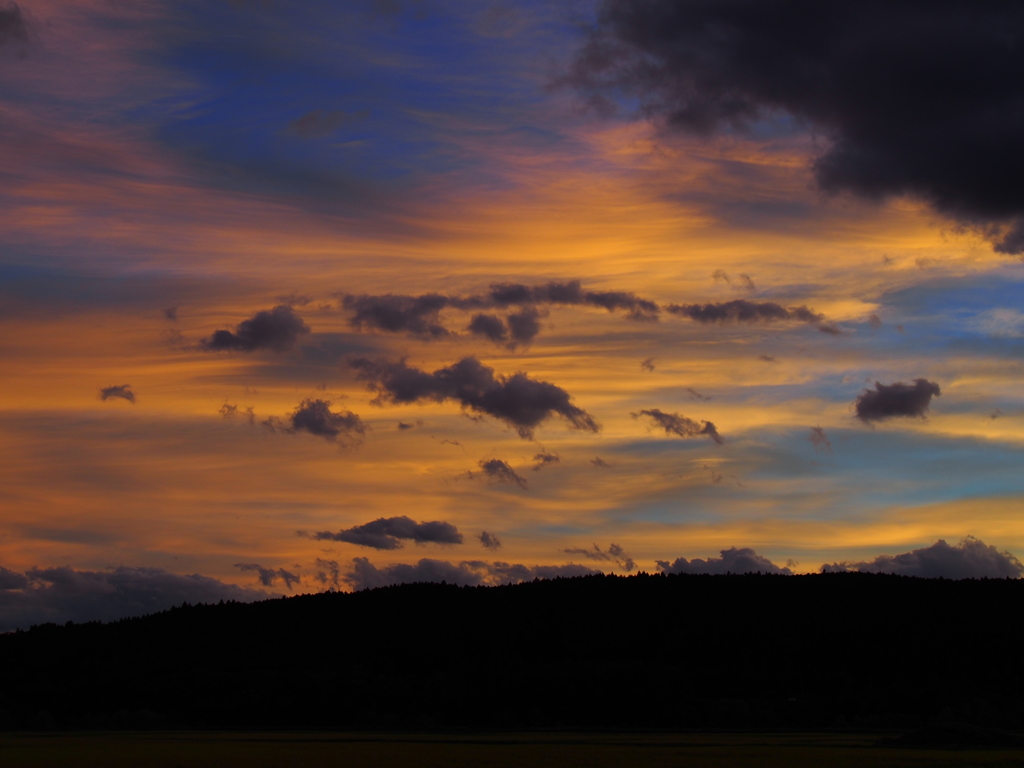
column 652, row 651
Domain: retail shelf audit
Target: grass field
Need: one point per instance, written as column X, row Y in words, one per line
column 322, row 750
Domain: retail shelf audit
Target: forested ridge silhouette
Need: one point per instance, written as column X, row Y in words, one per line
column 650, row 651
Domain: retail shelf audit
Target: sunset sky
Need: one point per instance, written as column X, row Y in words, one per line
column 274, row 271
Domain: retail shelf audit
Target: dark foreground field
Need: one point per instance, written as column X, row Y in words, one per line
column 831, row 652
column 270, row 750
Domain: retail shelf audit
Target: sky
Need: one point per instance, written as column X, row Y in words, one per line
column 333, row 295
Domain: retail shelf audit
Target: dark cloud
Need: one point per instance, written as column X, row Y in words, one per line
column 12, row 580
column 886, row 401
column 635, row 307
column 523, row 326
column 913, row 98
column 316, row 417
column 541, row 460
column 875, row 322
column 507, row 294
column 275, row 329
column 970, row 559
column 402, row 426
column 820, row 440
column 517, row 400
column 418, row 316
column 681, row 426
column 732, row 560
column 12, row 25
column 695, row 395
column 490, row 327
column 268, row 576
column 122, row 391
column 614, row 554
column 647, row 365
column 171, row 313
column 389, row 532
column 743, row 311
column 487, row 541
column 600, row 463
column 501, row 472
column 766, row 359
column 470, row 573
column 63, row 594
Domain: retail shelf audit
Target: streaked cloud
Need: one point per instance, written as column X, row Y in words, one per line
column 389, row 533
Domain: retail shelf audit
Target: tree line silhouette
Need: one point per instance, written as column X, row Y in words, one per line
column 644, row 651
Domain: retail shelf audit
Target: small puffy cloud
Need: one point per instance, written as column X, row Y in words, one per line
column 490, row 327
column 121, row 391
column 317, row 418
column 517, row 400
column 820, row 440
column 489, row 540
column 500, row 471
column 269, row 576
column 681, row 426
column 471, row 573
column 733, row 560
column 523, row 326
column 970, row 559
column 275, row 329
column 600, row 463
column 389, row 532
column 647, row 365
column 171, row 313
column 887, row 401
column 614, row 554
column 64, row 594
